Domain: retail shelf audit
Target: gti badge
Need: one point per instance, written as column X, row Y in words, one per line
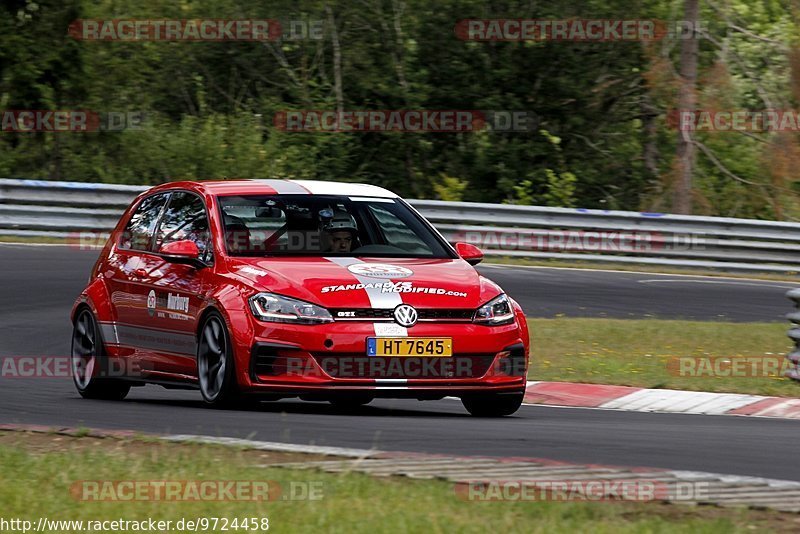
column 405, row 315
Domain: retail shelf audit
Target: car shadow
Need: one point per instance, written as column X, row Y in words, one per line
column 305, row 408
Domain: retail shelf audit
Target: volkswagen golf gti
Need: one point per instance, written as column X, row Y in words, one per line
column 270, row 289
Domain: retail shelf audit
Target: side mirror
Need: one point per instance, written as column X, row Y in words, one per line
column 469, row 253
column 184, row 252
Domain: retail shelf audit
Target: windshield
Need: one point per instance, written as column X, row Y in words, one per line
column 326, row 225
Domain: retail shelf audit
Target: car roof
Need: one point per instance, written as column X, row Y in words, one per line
column 282, row 187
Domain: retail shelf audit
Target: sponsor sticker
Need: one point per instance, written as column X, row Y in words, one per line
column 379, row 270
column 173, row 302
column 151, row 303
column 178, row 303
column 253, row 271
column 390, row 329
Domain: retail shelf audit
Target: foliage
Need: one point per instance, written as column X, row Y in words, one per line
column 600, row 137
column 450, row 188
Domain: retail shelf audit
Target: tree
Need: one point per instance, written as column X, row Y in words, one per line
column 687, row 101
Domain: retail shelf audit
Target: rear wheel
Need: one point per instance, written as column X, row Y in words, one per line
column 492, row 404
column 90, row 364
column 215, row 363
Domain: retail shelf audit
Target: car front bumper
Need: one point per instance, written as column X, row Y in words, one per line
column 295, row 360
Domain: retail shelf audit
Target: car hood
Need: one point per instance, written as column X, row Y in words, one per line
column 339, row 282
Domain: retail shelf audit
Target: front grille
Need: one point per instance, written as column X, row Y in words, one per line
column 381, row 314
column 437, row 314
column 357, row 365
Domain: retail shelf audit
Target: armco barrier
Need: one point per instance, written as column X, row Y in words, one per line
column 794, row 335
column 63, row 209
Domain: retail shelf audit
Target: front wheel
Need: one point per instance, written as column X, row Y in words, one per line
column 492, row 404
column 90, row 364
column 215, row 367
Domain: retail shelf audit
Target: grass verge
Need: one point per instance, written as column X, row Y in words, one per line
column 649, row 353
column 38, row 471
column 638, row 267
column 34, row 240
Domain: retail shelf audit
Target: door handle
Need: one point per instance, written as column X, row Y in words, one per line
column 141, row 273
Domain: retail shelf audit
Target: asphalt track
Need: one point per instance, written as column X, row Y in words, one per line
column 39, row 285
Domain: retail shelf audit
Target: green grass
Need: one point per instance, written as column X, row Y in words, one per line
column 36, row 482
column 639, row 352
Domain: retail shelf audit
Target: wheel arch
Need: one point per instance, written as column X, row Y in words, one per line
column 212, row 308
column 79, row 307
column 215, row 308
column 97, row 298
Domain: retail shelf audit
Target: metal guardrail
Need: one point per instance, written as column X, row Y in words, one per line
column 64, row 209
column 794, row 334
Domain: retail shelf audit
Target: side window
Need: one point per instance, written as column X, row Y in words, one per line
column 139, row 231
column 249, row 226
column 185, row 219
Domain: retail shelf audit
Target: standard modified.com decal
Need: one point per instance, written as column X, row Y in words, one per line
column 394, row 287
column 384, row 270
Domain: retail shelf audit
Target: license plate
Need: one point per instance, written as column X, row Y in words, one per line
column 410, row 346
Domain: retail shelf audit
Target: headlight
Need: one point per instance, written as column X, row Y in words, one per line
column 280, row 309
column 495, row 312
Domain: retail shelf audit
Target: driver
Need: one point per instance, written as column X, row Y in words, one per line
column 339, row 232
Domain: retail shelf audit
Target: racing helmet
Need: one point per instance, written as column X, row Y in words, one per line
column 339, row 221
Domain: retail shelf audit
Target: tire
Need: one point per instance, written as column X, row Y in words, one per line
column 89, row 363
column 350, row 402
column 215, row 368
column 492, row 404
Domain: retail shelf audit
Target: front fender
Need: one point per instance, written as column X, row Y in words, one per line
column 230, row 301
column 522, row 323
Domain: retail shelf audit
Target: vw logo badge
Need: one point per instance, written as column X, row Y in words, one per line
column 405, row 315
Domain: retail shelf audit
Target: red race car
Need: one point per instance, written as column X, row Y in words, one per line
column 274, row 288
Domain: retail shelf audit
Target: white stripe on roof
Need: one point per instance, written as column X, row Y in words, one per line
column 342, row 188
column 285, row 187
